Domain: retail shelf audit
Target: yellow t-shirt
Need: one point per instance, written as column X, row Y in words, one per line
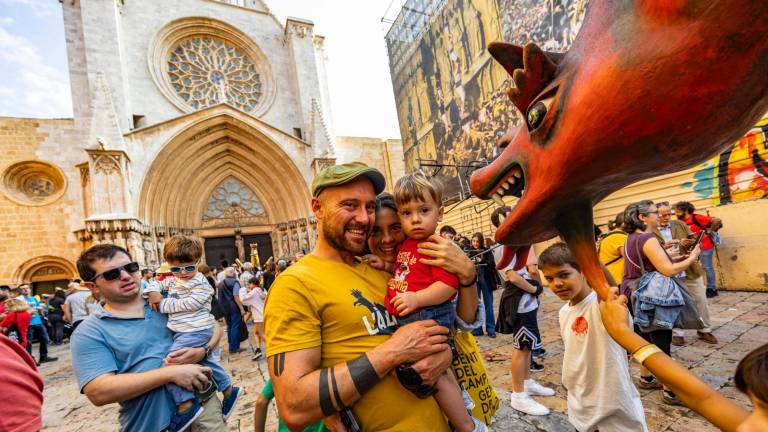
column 609, row 251
column 340, row 308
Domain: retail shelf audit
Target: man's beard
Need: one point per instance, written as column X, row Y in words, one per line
column 335, row 237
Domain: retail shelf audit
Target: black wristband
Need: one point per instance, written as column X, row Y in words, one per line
column 472, row 282
column 364, row 376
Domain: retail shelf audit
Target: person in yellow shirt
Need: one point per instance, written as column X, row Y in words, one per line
column 610, row 248
column 330, row 340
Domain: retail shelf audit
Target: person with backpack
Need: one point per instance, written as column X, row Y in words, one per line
column 685, row 212
column 610, row 247
column 229, row 299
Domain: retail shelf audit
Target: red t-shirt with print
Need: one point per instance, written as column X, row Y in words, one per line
column 412, row 276
column 705, row 221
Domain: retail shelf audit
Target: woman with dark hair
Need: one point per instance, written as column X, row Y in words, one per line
column 56, row 315
column 486, row 281
column 643, row 248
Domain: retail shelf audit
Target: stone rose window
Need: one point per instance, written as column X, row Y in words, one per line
column 33, row 182
column 200, row 62
column 206, row 70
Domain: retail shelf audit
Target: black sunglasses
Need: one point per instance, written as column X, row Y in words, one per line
column 662, row 204
column 188, row 269
column 114, row 274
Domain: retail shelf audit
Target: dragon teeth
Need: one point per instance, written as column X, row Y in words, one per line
column 505, row 185
column 497, row 199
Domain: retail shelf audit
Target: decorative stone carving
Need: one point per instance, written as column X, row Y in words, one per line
column 109, row 181
column 318, row 164
column 199, row 62
column 33, row 183
column 233, row 204
column 49, row 271
column 206, row 70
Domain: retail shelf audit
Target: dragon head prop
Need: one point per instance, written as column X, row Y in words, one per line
column 649, row 87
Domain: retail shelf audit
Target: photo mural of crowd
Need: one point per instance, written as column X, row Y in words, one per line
column 450, row 94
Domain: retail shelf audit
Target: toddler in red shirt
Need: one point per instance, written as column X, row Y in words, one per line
column 421, row 292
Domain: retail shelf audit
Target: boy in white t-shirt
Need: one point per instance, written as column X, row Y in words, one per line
column 601, row 395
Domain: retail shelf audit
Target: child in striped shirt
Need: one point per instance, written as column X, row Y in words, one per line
column 189, row 317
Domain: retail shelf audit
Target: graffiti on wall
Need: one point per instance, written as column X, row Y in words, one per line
column 450, row 96
column 737, row 174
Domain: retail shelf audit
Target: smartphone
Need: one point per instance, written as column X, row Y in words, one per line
column 699, row 237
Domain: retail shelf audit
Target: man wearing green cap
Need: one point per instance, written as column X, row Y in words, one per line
column 330, row 340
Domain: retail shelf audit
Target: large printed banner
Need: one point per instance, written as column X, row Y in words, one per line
column 450, row 94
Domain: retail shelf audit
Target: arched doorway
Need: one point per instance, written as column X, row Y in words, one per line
column 45, row 274
column 231, row 184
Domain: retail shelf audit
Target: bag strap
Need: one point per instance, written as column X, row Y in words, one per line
column 603, row 237
column 639, row 255
column 697, row 223
column 613, row 260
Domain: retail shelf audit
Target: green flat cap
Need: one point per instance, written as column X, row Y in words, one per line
column 336, row 175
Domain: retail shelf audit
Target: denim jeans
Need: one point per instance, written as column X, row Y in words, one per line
column 232, row 317
column 485, row 290
column 707, row 260
column 196, row 340
column 42, row 337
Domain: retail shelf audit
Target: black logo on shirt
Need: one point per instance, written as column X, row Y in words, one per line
column 380, row 321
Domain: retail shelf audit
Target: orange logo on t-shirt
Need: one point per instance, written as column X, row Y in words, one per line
column 580, row 326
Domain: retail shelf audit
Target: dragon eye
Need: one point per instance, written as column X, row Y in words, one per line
column 537, row 112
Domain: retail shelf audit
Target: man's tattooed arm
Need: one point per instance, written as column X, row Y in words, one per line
column 362, row 374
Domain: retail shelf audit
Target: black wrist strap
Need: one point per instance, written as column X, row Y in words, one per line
column 363, row 374
column 467, row 285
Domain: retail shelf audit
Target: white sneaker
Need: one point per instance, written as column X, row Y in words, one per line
column 480, row 426
column 468, row 402
column 533, row 388
column 523, row 403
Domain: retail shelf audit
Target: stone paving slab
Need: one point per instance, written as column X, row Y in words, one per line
column 740, row 321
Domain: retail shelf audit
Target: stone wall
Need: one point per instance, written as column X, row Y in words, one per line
column 384, row 155
column 31, row 231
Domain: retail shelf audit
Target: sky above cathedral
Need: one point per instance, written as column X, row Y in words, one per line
column 34, row 78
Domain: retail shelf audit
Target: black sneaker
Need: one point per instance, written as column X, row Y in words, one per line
column 48, row 359
column 539, row 352
column 536, row 367
column 711, row 293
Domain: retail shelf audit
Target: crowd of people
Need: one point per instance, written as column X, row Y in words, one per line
column 384, row 312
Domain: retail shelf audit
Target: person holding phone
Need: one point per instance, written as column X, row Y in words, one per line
column 678, row 240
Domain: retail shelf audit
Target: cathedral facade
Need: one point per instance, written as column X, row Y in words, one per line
column 201, row 117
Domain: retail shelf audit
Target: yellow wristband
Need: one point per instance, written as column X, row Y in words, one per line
column 640, row 347
column 643, row 353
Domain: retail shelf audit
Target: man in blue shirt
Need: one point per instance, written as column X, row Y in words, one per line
column 36, row 326
column 118, row 353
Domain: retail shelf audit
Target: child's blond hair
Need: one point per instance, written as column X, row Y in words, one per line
column 183, row 249
column 416, row 186
column 16, row 305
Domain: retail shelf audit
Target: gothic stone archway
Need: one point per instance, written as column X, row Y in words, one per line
column 178, row 188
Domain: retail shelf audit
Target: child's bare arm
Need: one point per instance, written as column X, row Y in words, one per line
column 691, row 390
column 433, row 295
column 519, row 281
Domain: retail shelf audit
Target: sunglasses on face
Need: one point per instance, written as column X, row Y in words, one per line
column 662, row 204
column 179, row 269
column 114, row 274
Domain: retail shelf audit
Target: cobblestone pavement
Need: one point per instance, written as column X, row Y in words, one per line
column 740, row 321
